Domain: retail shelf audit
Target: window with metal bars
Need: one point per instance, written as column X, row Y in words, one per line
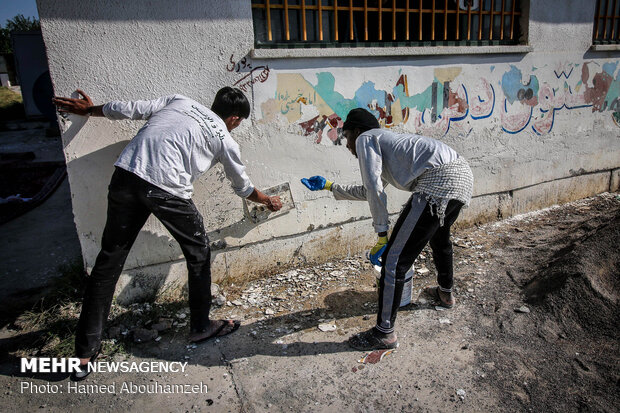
column 353, row 23
column 607, row 22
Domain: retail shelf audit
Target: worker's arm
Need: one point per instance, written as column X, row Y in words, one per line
column 341, row 192
column 371, row 165
column 116, row 110
column 240, row 182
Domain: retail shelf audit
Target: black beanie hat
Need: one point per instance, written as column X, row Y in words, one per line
column 360, row 118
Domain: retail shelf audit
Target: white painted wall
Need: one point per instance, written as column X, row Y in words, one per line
column 137, row 50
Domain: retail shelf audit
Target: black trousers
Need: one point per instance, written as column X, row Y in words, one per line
column 131, row 200
column 415, row 227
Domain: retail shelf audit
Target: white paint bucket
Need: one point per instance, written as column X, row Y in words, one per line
column 405, row 299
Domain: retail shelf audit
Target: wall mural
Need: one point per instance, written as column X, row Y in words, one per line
column 520, row 103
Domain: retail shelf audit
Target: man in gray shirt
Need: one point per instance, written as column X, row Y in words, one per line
column 181, row 140
column 441, row 183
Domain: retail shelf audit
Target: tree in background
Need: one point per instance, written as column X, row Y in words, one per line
column 18, row 23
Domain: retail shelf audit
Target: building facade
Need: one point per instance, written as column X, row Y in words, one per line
column 529, row 96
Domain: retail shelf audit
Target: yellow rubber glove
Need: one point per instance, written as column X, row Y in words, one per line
column 374, row 255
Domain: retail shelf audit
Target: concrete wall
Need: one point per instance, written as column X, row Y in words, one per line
column 33, row 74
column 539, row 123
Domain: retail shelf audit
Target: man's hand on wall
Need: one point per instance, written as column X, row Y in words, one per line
column 82, row 106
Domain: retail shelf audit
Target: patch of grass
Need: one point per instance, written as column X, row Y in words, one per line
column 11, row 104
column 54, row 316
column 53, row 320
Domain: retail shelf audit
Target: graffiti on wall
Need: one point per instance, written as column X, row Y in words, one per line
column 250, row 73
column 519, row 103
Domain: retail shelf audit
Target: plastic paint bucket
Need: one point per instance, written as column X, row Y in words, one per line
column 405, row 299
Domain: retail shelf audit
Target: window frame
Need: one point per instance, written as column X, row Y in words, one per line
column 605, row 43
column 398, row 48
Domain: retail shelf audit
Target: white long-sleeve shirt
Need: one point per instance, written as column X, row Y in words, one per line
column 389, row 158
column 181, row 140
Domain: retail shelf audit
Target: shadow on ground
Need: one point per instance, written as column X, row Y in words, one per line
column 252, row 338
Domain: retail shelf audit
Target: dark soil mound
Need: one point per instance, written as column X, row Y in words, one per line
column 581, row 284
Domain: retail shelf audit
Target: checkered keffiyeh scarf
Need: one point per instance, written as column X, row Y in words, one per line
column 439, row 185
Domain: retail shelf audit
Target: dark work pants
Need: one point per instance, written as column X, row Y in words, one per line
column 415, row 227
column 130, row 202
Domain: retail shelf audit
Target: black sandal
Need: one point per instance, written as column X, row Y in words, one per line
column 371, row 340
column 83, row 370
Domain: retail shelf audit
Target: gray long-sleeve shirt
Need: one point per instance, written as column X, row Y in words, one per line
column 390, row 158
column 181, row 140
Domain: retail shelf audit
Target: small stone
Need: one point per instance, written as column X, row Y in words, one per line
column 215, row 289
column 445, row 321
column 237, row 303
column 523, row 309
column 366, row 317
column 269, row 311
column 181, row 315
column 220, row 300
column 141, row 335
column 461, row 394
column 325, row 327
column 162, row 325
column 423, row 271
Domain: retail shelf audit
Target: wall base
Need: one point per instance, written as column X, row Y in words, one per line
column 169, row 280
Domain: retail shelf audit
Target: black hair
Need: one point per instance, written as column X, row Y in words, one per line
column 230, row 102
column 362, row 119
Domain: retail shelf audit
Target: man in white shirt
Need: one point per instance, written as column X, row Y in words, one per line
column 181, row 140
column 441, row 183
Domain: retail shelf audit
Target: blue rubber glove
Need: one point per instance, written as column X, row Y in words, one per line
column 316, row 183
column 374, row 255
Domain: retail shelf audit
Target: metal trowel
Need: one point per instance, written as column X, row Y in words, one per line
column 258, row 212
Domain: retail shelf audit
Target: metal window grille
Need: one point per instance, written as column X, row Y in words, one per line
column 352, row 23
column 607, row 22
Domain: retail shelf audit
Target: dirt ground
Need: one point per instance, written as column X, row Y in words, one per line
column 535, row 328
